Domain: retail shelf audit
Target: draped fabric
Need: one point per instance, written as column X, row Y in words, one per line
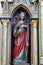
column 7, row 0
column 20, row 44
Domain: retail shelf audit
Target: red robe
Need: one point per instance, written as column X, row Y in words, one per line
column 20, row 43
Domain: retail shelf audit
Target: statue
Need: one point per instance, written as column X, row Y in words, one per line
column 20, row 40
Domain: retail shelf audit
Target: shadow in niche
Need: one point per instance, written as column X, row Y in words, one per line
column 12, row 37
column 12, row 46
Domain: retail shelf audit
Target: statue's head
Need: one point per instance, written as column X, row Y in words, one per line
column 22, row 15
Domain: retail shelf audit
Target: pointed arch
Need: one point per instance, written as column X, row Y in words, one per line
column 23, row 6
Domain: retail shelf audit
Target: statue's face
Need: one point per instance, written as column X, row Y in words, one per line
column 22, row 15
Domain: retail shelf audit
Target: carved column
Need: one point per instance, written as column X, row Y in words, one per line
column 0, row 41
column 4, row 42
column 35, row 49
column 41, row 31
column 41, row 22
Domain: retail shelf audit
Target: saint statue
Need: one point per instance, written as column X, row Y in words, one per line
column 20, row 40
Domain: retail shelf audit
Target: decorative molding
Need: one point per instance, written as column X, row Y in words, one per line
column 5, row 7
column 5, row 22
column 35, row 22
column 7, row 0
column 10, row 0
column 25, row 1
